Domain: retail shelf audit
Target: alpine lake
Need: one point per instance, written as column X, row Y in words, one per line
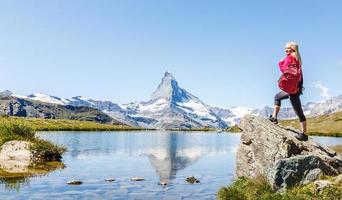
column 106, row 162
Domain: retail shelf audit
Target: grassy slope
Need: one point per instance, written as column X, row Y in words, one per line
column 39, row 124
column 325, row 125
column 259, row 189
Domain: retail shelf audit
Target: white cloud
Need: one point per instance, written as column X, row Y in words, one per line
column 339, row 62
column 324, row 91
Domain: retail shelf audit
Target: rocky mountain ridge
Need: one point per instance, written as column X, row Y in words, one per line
column 21, row 107
column 171, row 106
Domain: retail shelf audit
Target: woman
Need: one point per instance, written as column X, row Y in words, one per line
column 292, row 58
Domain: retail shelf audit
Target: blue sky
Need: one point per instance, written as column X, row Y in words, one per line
column 224, row 52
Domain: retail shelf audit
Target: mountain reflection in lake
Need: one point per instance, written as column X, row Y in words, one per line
column 156, row 156
column 167, row 152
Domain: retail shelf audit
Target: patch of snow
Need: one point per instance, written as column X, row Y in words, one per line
column 133, row 105
column 240, row 112
column 158, row 105
column 81, row 100
column 47, row 99
column 197, row 108
column 216, row 106
column 19, row 96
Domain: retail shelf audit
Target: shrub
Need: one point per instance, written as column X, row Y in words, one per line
column 43, row 150
column 17, row 129
column 46, row 151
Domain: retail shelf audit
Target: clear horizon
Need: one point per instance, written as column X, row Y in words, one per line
column 225, row 53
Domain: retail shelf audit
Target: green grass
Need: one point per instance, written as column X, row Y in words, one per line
column 324, row 125
column 39, row 124
column 259, row 189
column 337, row 148
column 234, row 129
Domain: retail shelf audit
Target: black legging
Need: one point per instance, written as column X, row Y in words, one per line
column 295, row 101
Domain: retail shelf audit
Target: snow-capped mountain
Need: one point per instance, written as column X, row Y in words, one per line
column 46, row 98
column 238, row 113
column 331, row 105
column 171, row 106
column 233, row 115
column 74, row 101
column 5, row 93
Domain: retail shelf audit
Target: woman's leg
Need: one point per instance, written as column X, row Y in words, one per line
column 297, row 106
column 277, row 102
column 276, row 111
column 303, row 126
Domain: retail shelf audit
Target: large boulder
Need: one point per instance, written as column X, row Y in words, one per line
column 273, row 152
column 15, row 156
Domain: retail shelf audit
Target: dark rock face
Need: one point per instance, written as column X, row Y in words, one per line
column 13, row 106
column 273, row 151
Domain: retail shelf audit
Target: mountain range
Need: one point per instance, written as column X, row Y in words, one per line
column 172, row 107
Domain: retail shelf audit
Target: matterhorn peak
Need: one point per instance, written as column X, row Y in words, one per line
column 169, row 90
column 168, row 74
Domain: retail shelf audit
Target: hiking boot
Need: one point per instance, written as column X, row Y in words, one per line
column 273, row 119
column 302, row 137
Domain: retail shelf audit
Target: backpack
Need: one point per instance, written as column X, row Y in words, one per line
column 290, row 79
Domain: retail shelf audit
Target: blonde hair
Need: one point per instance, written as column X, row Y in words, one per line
column 295, row 48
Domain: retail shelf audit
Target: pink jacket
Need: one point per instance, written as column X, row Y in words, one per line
column 284, row 64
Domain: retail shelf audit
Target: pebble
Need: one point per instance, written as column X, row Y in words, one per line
column 74, row 182
column 137, row 179
column 192, row 180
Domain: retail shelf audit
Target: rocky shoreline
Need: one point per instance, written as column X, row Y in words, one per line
column 17, row 156
column 22, row 154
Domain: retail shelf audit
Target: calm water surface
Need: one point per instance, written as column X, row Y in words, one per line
column 170, row 157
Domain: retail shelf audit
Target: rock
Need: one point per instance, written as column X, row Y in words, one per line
column 15, row 156
column 321, row 185
column 192, row 180
column 273, row 151
column 137, row 179
column 110, row 179
column 74, row 182
column 289, row 172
